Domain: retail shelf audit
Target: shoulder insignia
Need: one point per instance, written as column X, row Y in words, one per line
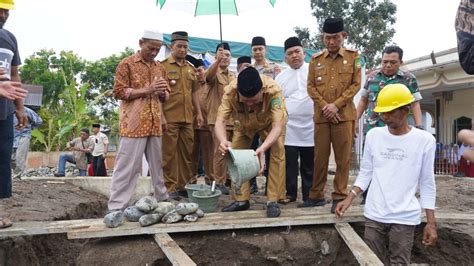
column 352, row 50
column 317, row 54
column 275, row 103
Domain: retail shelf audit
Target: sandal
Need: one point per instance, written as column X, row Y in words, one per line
column 5, row 222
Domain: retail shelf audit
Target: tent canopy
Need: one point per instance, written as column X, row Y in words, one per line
column 203, row 46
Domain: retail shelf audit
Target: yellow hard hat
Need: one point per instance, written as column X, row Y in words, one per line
column 7, row 4
column 393, row 96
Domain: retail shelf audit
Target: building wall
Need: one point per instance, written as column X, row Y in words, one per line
column 462, row 104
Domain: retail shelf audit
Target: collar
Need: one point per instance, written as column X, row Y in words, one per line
column 137, row 58
column 399, row 73
column 341, row 52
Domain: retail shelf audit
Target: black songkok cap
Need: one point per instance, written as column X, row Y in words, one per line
column 333, row 25
column 244, row 59
column 193, row 60
column 96, row 125
column 249, row 82
column 292, row 42
column 85, row 130
column 259, row 40
column 179, row 35
column 224, row 45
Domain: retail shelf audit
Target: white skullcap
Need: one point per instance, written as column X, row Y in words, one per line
column 153, row 35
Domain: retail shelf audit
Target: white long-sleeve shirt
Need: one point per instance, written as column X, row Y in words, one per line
column 300, row 126
column 395, row 166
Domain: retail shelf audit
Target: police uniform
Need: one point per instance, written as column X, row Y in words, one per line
column 178, row 139
column 333, row 80
column 248, row 122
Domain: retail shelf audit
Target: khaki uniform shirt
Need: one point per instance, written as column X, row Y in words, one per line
column 140, row 117
column 248, row 121
column 334, row 81
column 216, row 91
column 203, row 100
column 179, row 107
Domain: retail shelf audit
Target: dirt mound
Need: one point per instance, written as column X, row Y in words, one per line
column 43, row 201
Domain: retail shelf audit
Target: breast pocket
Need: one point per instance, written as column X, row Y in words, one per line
column 345, row 73
column 320, row 76
column 174, row 79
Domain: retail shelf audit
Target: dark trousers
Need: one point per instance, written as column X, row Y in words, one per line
column 98, row 164
column 6, row 147
column 306, row 165
column 392, row 243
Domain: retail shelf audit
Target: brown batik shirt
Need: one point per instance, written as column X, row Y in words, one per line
column 140, row 117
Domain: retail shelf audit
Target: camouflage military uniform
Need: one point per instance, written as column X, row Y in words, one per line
column 376, row 81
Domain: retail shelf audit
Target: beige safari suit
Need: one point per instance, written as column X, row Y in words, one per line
column 248, row 122
column 333, row 80
column 179, row 138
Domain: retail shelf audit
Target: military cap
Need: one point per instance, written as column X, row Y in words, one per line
column 292, row 42
column 193, row 60
column 258, row 40
column 179, row 35
column 249, row 82
column 224, row 46
column 85, row 130
column 244, row 59
column 333, row 25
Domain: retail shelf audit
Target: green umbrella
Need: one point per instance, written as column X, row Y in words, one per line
column 214, row 7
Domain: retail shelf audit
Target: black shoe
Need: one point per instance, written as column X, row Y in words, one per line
column 334, row 204
column 58, row 175
column 273, row 209
column 183, row 193
column 174, row 196
column 223, row 189
column 237, row 206
column 312, row 203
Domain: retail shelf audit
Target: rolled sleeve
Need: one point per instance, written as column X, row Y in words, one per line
column 122, row 81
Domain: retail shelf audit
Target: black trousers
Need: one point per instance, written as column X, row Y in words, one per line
column 98, row 164
column 6, row 147
column 305, row 168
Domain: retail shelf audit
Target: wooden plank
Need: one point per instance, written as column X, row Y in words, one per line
column 205, row 225
column 359, row 248
column 211, row 221
column 175, row 254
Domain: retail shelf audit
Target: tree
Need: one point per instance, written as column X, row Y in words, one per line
column 369, row 24
column 100, row 75
column 52, row 71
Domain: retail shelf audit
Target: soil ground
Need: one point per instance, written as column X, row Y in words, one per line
column 303, row 245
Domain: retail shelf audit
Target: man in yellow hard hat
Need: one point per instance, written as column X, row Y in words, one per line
column 9, row 104
column 398, row 159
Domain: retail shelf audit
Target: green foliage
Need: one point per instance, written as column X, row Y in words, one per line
column 76, row 93
column 369, row 24
column 51, row 71
column 100, row 76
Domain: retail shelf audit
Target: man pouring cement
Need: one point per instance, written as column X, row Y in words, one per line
column 256, row 104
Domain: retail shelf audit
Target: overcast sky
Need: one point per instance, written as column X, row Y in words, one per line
column 99, row 28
